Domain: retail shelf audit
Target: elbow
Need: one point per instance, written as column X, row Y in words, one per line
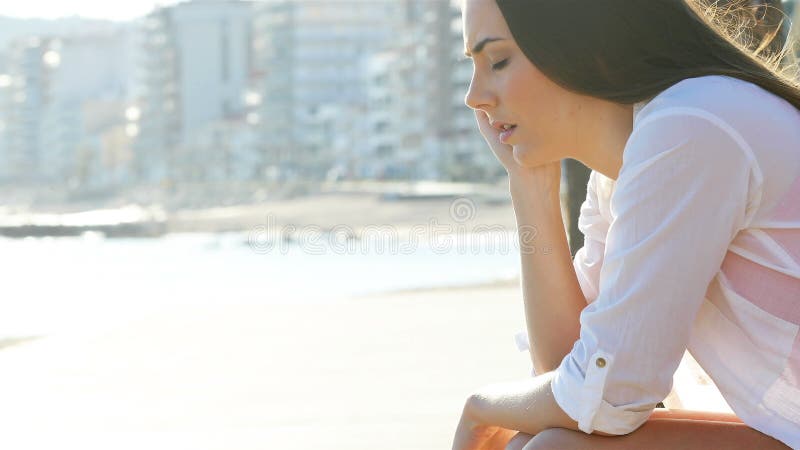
column 475, row 407
column 546, row 363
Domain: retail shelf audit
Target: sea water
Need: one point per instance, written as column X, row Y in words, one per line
column 75, row 284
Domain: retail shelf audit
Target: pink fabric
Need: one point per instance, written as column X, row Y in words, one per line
column 792, row 372
column 774, row 292
column 789, row 239
column 789, row 208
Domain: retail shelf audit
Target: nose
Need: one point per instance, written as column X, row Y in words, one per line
column 478, row 95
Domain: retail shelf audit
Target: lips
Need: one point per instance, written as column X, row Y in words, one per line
column 506, row 129
column 505, row 134
column 502, row 125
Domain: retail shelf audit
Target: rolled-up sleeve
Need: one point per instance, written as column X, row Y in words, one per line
column 589, row 258
column 687, row 185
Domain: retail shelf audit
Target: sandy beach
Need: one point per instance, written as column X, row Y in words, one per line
column 388, row 371
column 356, row 210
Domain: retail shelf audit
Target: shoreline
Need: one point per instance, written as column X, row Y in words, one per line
column 353, row 210
column 499, row 284
column 326, row 211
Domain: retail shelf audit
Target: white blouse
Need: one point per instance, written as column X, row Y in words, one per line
column 696, row 245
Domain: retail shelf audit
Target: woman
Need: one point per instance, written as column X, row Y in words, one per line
column 691, row 223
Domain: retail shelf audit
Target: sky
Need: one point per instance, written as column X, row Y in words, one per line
column 95, row 9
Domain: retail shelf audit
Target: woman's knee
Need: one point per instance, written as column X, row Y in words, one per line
column 518, row 441
column 551, row 439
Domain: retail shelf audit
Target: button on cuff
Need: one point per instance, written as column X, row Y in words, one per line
column 581, row 396
column 600, row 362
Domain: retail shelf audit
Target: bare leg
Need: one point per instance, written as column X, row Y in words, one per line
column 519, row 441
column 666, row 429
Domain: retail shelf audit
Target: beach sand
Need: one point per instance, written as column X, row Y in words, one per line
column 389, row 371
column 356, row 210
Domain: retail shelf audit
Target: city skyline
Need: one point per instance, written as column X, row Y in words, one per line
column 215, row 91
column 179, row 97
column 89, row 9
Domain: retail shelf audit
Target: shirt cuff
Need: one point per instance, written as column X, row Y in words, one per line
column 581, row 397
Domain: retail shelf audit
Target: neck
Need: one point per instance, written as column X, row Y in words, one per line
column 606, row 131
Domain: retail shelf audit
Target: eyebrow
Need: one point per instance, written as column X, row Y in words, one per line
column 479, row 47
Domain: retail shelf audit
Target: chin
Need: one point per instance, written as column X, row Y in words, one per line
column 526, row 157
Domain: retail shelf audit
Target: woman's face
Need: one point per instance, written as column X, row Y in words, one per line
column 511, row 90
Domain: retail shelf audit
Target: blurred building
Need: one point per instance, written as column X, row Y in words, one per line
column 105, row 154
column 84, row 70
column 311, row 58
column 366, row 89
column 406, row 117
column 48, row 81
column 221, row 151
column 195, row 68
column 420, row 126
column 25, row 93
column 467, row 157
column 5, row 113
column 390, row 121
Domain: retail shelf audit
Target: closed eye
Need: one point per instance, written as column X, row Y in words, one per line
column 500, row 65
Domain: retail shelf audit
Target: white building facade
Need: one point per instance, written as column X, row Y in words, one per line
column 195, row 71
column 420, row 126
column 312, row 58
column 46, row 131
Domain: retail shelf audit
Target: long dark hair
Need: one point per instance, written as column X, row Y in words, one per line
column 627, row 51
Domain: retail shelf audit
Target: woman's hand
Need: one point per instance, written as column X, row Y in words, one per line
column 471, row 435
column 548, row 175
column 493, row 413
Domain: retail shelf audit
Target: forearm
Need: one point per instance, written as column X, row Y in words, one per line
column 494, row 413
column 552, row 296
column 527, row 405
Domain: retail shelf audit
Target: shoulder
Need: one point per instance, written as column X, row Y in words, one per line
column 700, row 132
column 719, row 111
column 743, row 109
column 726, row 97
column 732, row 121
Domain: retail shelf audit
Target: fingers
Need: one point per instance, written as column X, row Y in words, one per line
column 503, row 152
column 485, row 126
column 491, row 134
